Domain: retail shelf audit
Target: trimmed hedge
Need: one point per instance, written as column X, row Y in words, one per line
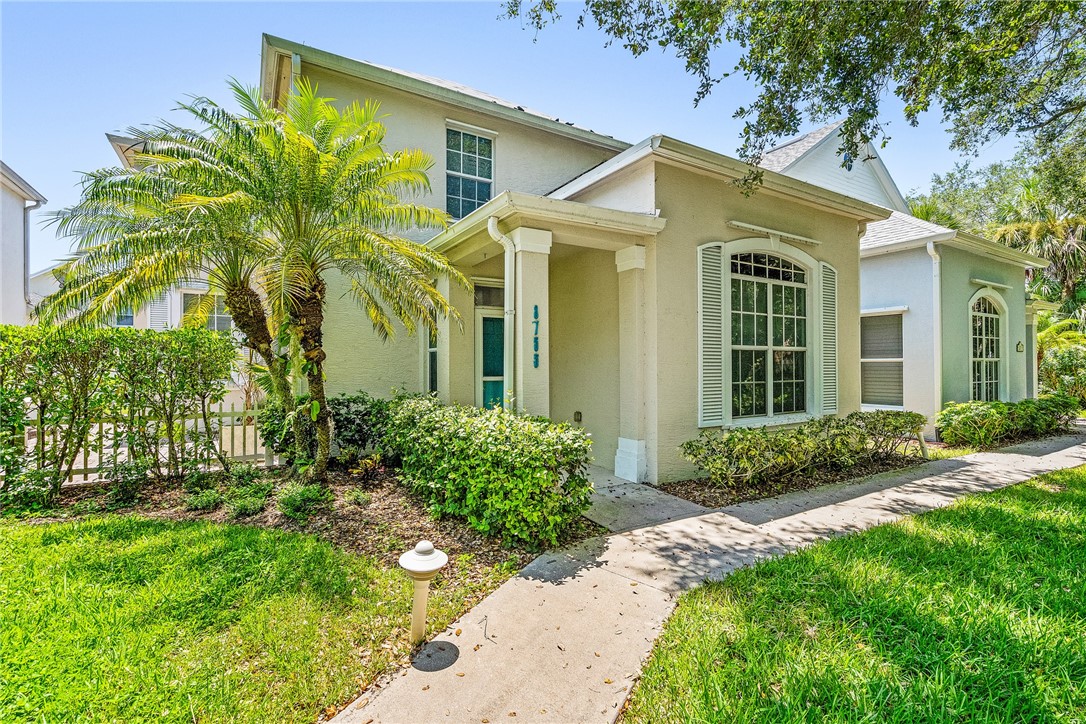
column 747, row 457
column 357, row 425
column 148, row 385
column 985, row 424
column 519, row 478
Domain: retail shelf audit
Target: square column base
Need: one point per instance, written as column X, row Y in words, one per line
column 631, row 462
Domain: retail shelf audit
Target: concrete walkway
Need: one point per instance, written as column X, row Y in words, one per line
column 619, row 505
column 564, row 641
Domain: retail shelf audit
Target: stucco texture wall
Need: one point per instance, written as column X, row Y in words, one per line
column 697, row 209
column 525, row 160
column 584, row 344
column 959, row 267
column 904, row 279
column 12, row 258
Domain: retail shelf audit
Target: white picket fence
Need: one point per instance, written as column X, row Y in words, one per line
column 238, row 439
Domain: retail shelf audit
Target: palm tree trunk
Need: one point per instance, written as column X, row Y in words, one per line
column 308, row 322
column 247, row 311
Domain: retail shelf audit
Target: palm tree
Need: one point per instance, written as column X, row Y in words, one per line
column 134, row 246
column 930, row 210
column 309, row 190
column 1038, row 225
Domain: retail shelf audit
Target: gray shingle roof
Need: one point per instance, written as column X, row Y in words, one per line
column 901, row 228
column 779, row 158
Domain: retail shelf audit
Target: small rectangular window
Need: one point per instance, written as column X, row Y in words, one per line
column 125, row 318
column 469, row 166
column 218, row 319
column 881, row 361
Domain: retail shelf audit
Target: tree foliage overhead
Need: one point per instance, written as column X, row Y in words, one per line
column 995, row 67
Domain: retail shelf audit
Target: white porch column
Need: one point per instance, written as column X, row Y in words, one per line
column 532, row 364
column 631, row 460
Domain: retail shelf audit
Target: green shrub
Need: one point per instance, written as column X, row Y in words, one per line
column 248, row 499
column 276, row 426
column 243, row 474
column 298, row 502
column 986, row 424
column 199, row 480
column 150, row 385
column 127, row 479
column 748, row 457
column 359, row 497
column 368, row 468
column 207, row 499
column 515, row 477
column 889, row 431
column 1063, row 371
column 28, row 490
column 359, row 420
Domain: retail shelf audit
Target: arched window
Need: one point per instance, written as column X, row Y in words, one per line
column 767, row 321
column 986, row 349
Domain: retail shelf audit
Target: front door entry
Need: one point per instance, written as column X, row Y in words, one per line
column 489, row 358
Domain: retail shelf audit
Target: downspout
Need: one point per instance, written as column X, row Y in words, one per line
column 937, row 321
column 26, row 250
column 510, row 304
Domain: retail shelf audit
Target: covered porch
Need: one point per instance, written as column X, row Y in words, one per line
column 556, row 324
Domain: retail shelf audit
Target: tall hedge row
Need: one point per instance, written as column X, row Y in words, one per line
column 143, row 384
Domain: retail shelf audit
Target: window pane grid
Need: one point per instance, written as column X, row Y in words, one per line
column 469, row 165
column 768, row 332
column 985, row 344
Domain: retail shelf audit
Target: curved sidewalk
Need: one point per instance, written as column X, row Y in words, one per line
column 565, row 639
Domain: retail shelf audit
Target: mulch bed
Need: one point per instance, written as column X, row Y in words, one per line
column 703, row 492
column 393, row 520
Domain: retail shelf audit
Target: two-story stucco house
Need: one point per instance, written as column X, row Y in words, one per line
column 17, row 199
column 944, row 314
column 630, row 289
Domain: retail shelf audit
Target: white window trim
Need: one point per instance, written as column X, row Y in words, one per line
column 182, row 291
column 884, row 312
column 492, row 136
column 1000, row 303
column 813, row 268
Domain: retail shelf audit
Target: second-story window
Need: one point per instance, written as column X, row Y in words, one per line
column 469, row 165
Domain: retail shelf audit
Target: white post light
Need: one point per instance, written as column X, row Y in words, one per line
column 422, row 564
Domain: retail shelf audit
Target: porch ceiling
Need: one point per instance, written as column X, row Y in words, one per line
column 570, row 222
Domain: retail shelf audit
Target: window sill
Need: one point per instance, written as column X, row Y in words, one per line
column 775, row 421
column 871, row 408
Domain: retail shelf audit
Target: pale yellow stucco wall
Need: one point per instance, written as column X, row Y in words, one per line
column 584, row 344
column 697, row 209
column 525, row 159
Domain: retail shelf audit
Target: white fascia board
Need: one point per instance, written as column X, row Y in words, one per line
column 607, row 169
column 887, row 181
column 884, row 311
column 543, row 208
column 688, row 155
column 20, row 185
column 987, row 247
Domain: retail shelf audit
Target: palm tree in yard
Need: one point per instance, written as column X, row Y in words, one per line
column 1038, row 225
column 304, row 192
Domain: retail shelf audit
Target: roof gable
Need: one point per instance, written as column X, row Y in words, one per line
column 813, row 157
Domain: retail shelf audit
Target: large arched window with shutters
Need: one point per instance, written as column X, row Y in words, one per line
column 767, row 321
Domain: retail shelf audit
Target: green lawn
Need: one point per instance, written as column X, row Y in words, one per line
column 128, row 619
column 976, row 612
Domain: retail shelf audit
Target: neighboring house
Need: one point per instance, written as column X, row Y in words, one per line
column 945, row 316
column 633, row 290
column 18, row 200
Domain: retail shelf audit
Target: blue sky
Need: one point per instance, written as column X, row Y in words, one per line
column 73, row 71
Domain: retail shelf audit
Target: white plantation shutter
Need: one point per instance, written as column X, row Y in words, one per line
column 829, row 340
column 158, row 312
column 710, row 336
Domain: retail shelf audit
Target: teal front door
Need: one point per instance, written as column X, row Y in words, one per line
column 490, row 357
